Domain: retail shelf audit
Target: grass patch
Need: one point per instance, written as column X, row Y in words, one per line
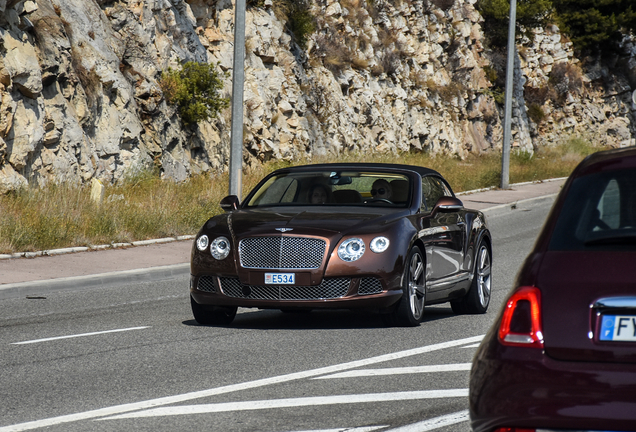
column 144, row 206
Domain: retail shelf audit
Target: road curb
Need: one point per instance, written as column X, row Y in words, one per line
column 470, row 192
column 102, row 280
column 68, row 250
column 518, row 205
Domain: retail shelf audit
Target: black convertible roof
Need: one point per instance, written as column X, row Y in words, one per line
column 361, row 165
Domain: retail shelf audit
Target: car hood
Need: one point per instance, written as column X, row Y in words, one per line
column 315, row 221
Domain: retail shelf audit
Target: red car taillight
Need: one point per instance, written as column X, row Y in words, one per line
column 514, row 430
column 521, row 322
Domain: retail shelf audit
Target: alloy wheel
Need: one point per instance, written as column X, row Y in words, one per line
column 417, row 287
column 483, row 276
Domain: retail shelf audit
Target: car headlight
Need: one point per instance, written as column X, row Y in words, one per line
column 203, row 242
column 379, row 244
column 220, row 248
column 351, row 249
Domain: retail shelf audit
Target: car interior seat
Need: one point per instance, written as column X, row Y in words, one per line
column 399, row 191
column 347, row 196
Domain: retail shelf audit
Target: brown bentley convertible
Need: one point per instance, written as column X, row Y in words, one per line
column 379, row 237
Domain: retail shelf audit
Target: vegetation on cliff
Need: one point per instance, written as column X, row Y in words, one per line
column 194, row 89
column 594, row 26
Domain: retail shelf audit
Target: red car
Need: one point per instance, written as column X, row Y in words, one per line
column 561, row 355
column 383, row 237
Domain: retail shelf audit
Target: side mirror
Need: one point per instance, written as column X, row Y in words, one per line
column 448, row 204
column 230, row 202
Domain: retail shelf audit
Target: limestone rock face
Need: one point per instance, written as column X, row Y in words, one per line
column 80, row 94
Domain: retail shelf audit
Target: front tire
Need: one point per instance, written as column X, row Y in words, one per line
column 212, row 315
column 410, row 309
column 477, row 299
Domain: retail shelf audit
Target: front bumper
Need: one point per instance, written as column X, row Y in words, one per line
column 331, row 293
column 523, row 387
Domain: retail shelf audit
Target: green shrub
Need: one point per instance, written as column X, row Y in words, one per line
column 301, row 22
column 298, row 18
column 497, row 93
column 596, row 25
column 530, row 14
column 195, row 90
column 491, row 74
column 536, row 114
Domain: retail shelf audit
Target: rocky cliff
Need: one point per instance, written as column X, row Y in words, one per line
column 80, row 93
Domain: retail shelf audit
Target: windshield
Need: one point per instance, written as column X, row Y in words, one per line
column 599, row 213
column 323, row 188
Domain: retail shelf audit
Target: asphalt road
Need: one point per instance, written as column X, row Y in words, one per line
column 132, row 358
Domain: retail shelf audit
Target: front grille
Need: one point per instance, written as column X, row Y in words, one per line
column 206, row 283
column 281, row 252
column 369, row 285
column 328, row 289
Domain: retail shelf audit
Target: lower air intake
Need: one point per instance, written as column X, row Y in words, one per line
column 328, row 289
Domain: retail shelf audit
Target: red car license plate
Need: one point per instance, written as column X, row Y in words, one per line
column 618, row 328
column 280, row 278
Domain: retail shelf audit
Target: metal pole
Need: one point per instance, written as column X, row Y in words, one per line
column 238, row 77
column 505, row 157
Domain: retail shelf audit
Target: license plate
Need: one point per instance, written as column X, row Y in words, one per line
column 280, row 278
column 618, row 328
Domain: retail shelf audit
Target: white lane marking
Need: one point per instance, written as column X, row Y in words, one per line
column 118, row 409
column 292, row 403
column 435, row 423
column 471, row 346
column 400, row 371
column 78, row 335
column 348, row 429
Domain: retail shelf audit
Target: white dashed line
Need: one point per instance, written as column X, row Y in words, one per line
column 347, row 429
column 292, row 403
column 435, row 423
column 471, row 346
column 400, row 371
column 78, row 335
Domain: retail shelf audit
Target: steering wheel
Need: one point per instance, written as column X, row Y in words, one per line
column 379, row 199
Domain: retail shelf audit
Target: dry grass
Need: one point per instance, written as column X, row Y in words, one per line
column 144, row 206
column 360, row 63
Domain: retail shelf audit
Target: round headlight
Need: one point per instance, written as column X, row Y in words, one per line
column 220, row 248
column 203, row 242
column 379, row 244
column 351, row 249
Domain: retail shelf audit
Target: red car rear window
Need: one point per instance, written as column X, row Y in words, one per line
column 599, row 213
